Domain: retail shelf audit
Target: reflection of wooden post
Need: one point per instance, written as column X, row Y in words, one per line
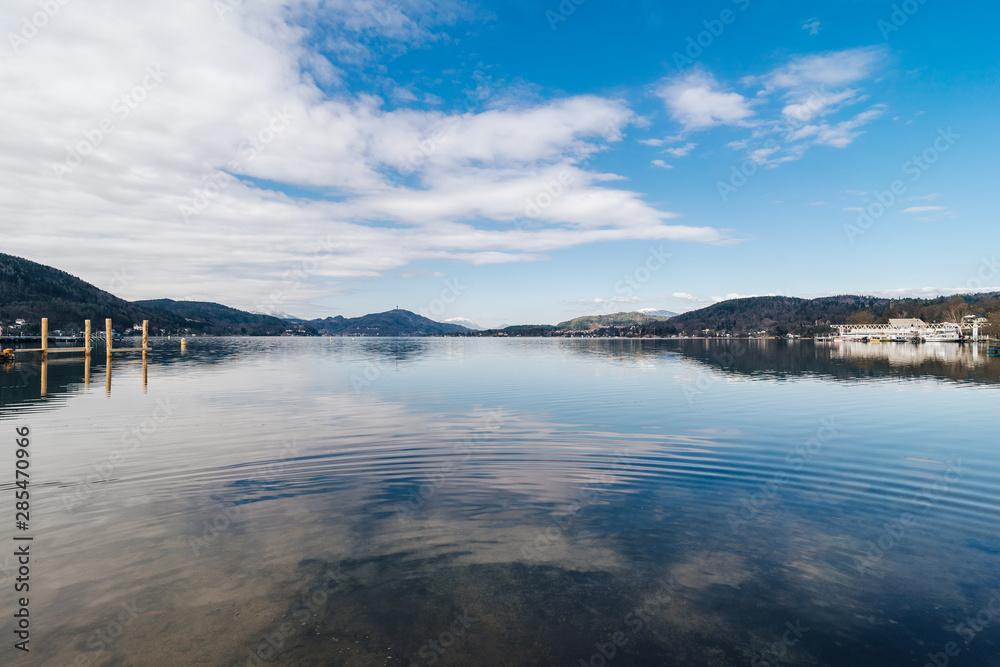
column 145, row 379
column 107, row 376
column 107, row 330
column 145, row 335
column 86, row 370
column 45, row 376
column 86, row 341
column 45, row 337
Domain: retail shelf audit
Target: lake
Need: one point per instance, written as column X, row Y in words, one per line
column 464, row 501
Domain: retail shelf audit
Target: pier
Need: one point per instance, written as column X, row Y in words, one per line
column 912, row 329
column 87, row 340
column 9, row 355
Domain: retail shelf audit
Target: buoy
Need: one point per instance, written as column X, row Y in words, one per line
column 183, row 342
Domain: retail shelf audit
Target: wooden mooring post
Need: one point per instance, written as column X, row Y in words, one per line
column 86, row 350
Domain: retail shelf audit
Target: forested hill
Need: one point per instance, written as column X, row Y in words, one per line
column 397, row 322
column 31, row 291
column 782, row 314
column 217, row 319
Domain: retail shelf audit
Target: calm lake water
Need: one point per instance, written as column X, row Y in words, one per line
column 509, row 502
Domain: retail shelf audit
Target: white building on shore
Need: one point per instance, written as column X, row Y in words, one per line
column 912, row 329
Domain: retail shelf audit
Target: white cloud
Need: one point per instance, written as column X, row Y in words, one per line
column 661, row 164
column 838, row 135
column 697, row 102
column 924, row 209
column 687, row 296
column 681, row 151
column 811, row 91
column 811, row 26
column 830, row 70
column 240, row 105
column 735, row 295
column 651, row 142
column 599, row 301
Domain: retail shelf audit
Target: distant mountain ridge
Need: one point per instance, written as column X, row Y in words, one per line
column 31, row 291
column 217, row 319
column 463, row 321
column 591, row 322
column 396, row 322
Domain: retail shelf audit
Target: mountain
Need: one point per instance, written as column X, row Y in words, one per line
column 216, row 319
column 280, row 314
column 31, row 291
column 656, row 312
column 785, row 314
column 593, row 322
column 390, row 323
column 461, row 321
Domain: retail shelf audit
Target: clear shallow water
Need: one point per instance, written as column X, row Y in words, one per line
column 512, row 502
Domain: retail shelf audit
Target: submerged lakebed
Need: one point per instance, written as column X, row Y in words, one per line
column 462, row 501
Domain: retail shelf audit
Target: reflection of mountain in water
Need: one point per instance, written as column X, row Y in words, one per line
column 394, row 349
column 777, row 359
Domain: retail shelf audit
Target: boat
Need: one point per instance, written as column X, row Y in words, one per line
column 943, row 336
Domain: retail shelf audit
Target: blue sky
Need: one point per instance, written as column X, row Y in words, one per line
column 505, row 162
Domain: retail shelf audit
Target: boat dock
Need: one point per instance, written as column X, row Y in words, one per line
column 10, row 355
column 912, row 329
column 87, row 340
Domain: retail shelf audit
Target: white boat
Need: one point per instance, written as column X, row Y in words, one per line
column 943, row 336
